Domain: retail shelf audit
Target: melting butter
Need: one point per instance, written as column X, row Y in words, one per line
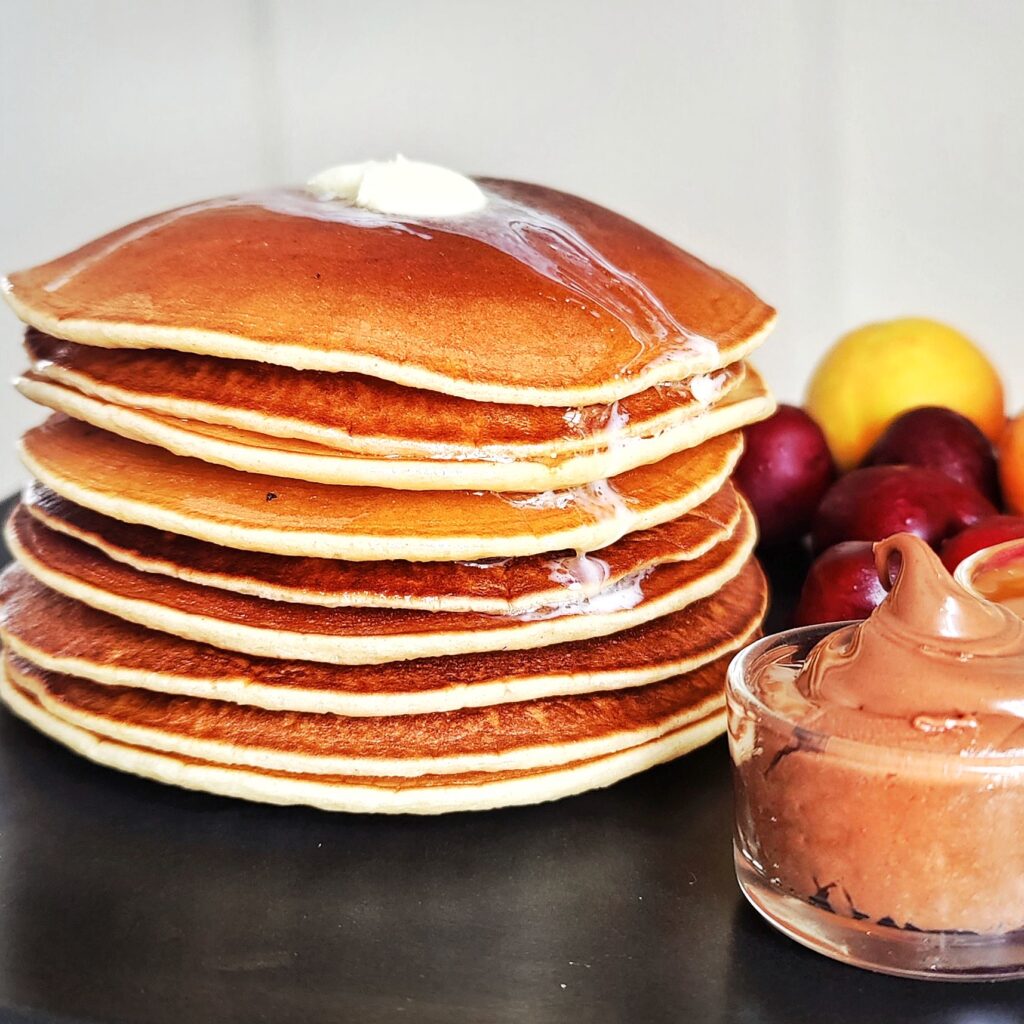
column 581, row 571
column 625, row 594
column 409, row 188
column 599, row 499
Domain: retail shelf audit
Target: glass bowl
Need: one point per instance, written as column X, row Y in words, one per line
column 908, row 861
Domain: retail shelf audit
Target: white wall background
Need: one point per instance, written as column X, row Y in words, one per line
column 850, row 160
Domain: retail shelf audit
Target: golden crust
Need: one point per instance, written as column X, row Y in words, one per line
column 355, row 413
column 502, row 586
column 425, row 794
column 256, row 452
column 69, row 637
column 144, row 484
column 355, row 635
column 238, row 733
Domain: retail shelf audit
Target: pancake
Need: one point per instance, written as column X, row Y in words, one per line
column 541, row 298
column 68, row 637
column 511, row 737
column 357, row 636
column 503, row 586
column 427, row 794
column 353, row 413
column 304, row 460
column 143, row 484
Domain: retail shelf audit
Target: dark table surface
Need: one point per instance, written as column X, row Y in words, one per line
column 125, row 901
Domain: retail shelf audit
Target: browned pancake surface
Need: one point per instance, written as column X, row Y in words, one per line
column 465, row 312
column 68, row 451
column 509, row 579
column 57, row 627
column 387, row 782
column 494, row 730
column 351, row 404
column 82, row 563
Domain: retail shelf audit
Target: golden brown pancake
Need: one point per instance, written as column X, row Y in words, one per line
column 357, row 635
column 143, row 484
column 66, row 636
column 305, row 460
column 501, row 586
column 353, row 413
column 426, row 794
column 509, row 737
column 540, row 299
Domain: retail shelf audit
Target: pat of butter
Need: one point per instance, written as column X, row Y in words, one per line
column 402, row 187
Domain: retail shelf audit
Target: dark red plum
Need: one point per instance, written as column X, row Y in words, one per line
column 842, row 583
column 878, row 501
column 940, row 439
column 785, row 470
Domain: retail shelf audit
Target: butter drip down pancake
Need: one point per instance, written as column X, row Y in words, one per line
column 509, row 737
column 252, row 452
column 143, row 484
column 359, row 414
column 540, row 299
column 501, row 586
column 426, row 794
column 68, row 637
column 357, row 635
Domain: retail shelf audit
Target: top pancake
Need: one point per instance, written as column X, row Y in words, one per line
column 541, row 298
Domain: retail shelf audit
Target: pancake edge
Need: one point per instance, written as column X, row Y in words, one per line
column 366, row 547
column 400, row 473
column 452, row 697
column 373, row 649
column 523, row 758
column 568, row 780
column 250, row 586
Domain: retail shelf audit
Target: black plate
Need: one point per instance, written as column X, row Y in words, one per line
column 123, row 900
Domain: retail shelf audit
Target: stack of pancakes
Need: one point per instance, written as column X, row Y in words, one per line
column 382, row 514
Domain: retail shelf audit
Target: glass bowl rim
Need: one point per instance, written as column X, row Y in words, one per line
column 965, row 570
